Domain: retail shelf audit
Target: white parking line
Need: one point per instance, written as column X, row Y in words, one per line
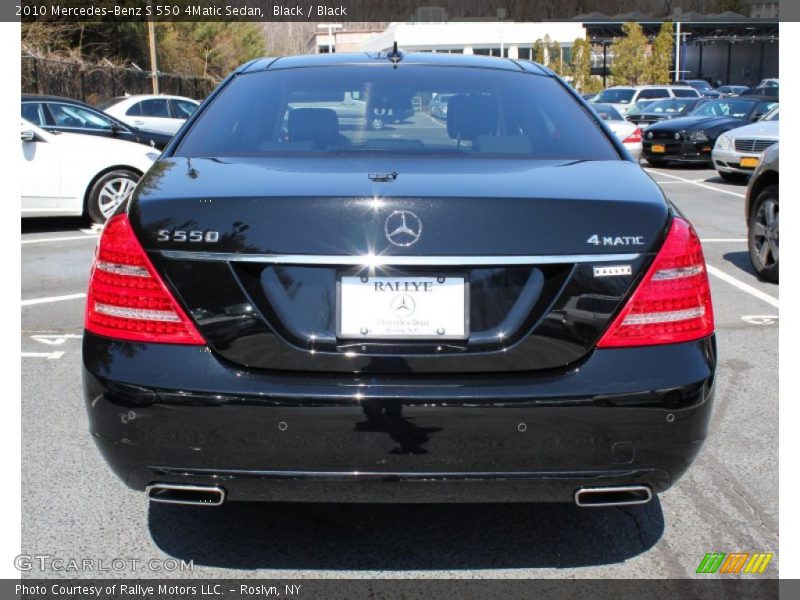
column 697, row 183
column 33, row 301
column 722, row 240
column 88, row 236
column 47, row 355
column 742, row 286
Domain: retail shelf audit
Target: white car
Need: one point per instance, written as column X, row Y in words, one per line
column 69, row 174
column 163, row 114
column 737, row 152
column 623, row 97
column 628, row 133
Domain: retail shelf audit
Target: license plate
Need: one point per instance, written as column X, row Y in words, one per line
column 748, row 162
column 659, row 148
column 419, row 307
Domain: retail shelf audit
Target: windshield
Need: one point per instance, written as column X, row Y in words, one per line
column 699, row 84
column 607, row 112
column 378, row 109
column 615, row 96
column 670, row 107
column 771, row 115
column 738, row 109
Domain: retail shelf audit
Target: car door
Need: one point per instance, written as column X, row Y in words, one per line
column 153, row 115
column 40, row 173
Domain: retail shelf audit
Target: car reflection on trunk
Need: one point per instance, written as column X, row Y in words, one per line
column 387, row 417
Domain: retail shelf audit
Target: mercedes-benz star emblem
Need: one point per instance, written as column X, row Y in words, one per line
column 403, row 305
column 403, row 228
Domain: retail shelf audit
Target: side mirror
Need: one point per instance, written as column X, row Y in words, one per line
column 27, row 135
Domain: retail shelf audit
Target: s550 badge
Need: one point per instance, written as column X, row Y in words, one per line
column 181, row 235
column 616, row 240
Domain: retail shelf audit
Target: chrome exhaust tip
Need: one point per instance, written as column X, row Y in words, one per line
column 622, row 495
column 178, row 493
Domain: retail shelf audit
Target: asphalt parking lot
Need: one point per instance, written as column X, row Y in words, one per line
column 75, row 508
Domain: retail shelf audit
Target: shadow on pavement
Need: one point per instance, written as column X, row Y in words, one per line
column 56, row 224
column 401, row 537
column 741, row 260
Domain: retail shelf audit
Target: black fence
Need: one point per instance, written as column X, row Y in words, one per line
column 96, row 83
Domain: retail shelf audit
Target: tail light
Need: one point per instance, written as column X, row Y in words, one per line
column 127, row 299
column 673, row 301
column 636, row 136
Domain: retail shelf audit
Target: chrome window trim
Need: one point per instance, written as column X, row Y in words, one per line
column 395, row 261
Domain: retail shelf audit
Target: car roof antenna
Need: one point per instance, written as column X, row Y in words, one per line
column 395, row 55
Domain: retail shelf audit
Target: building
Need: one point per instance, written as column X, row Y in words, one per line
column 493, row 38
column 342, row 37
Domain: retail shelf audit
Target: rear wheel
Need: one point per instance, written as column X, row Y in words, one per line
column 108, row 192
column 762, row 234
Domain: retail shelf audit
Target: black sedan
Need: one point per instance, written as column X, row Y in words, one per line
column 56, row 114
column 663, row 110
column 690, row 139
column 498, row 307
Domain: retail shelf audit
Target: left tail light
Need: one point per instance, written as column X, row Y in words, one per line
column 636, row 136
column 127, row 299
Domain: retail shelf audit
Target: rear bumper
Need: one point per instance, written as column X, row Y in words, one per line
column 179, row 415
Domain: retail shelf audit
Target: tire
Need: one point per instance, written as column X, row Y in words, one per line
column 732, row 177
column 376, row 123
column 762, row 234
column 108, row 192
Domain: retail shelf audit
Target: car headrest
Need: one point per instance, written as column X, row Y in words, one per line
column 318, row 125
column 469, row 116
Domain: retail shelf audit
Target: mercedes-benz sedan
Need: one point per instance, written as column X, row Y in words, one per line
column 499, row 305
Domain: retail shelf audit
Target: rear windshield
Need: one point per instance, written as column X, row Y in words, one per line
column 679, row 93
column 411, row 109
column 671, row 107
column 612, row 96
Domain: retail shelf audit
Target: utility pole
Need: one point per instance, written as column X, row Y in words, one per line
column 330, row 27
column 677, row 51
column 151, row 33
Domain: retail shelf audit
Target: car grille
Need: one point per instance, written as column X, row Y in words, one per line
column 664, row 135
column 745, row 145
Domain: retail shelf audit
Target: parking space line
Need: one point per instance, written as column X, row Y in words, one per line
column 697, row 183
column 742, row 286
column 34, row 301
column 86, row 236
column 722, row 240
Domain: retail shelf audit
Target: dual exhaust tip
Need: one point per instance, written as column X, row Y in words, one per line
column 622, row 495
column 178, row 493
column 212, row 495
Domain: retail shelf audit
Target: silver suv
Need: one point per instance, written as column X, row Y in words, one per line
column 625, row 96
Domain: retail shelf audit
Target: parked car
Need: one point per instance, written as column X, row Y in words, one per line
column 64, row 115
column 637, row 109
column 438, row 107
column 704, row 88
column 663, row 110
column 589, row 97
column 163, row 114
column 690, row 139
column 68, row 174
column 307, row 319
column 623, row 97
column 769, row 83
column 628, row 133
column 737, row 153
column 731, row 90
column 761, row 212
column 766, row 92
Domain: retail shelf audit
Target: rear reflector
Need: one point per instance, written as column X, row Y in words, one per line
column 127, row 299
column 636, row 136
column 673, row 302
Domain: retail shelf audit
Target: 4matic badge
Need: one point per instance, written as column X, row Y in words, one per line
column 618, row 240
